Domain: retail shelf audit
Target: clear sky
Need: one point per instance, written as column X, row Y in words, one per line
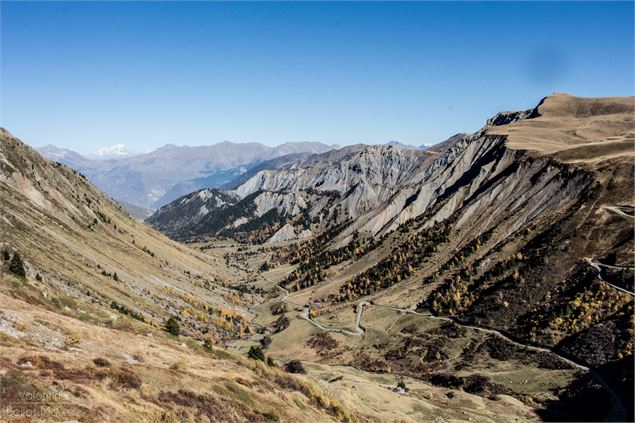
column 90, row 75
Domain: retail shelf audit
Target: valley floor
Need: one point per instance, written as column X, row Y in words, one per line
column 360, row 353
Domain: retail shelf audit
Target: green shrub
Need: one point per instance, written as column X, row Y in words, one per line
column 255, row 353
column 271, row 416
column 172, row 326
column 16, row 266
column 125, row 310
column 294, row 366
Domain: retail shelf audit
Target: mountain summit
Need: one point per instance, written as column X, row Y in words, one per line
column 116, row 151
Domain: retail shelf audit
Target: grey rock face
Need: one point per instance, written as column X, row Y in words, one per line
column 319, row 190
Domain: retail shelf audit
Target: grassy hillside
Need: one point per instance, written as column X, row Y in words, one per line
column 83, row 310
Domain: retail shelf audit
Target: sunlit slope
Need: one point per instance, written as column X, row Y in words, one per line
column 82, row 245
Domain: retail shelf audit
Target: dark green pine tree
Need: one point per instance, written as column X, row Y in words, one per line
column 255, row 353
column 16, row 266
column 172, row 326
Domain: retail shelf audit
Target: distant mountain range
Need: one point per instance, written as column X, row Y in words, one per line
column 153, row 179
column 280, row 199
column 271, row 197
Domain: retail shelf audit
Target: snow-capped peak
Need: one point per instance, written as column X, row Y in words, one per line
column 114, row 152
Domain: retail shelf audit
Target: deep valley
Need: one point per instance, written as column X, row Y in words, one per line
column 486, row 278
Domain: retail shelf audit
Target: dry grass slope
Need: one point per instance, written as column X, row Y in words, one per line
column 578, row 130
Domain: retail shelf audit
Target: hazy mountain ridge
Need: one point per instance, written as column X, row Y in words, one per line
column 137, row 212
column 152, row 179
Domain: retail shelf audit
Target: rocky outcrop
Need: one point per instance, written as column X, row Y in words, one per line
column 191, row 210
column 381, row 168
column 314, row 193
column 287, row 233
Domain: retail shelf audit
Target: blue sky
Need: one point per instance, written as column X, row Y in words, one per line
column 90, row 75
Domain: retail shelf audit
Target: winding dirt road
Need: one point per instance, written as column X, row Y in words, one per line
column 359, row 330
column 306, row 315
column 618, row 210
column 598, row 266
